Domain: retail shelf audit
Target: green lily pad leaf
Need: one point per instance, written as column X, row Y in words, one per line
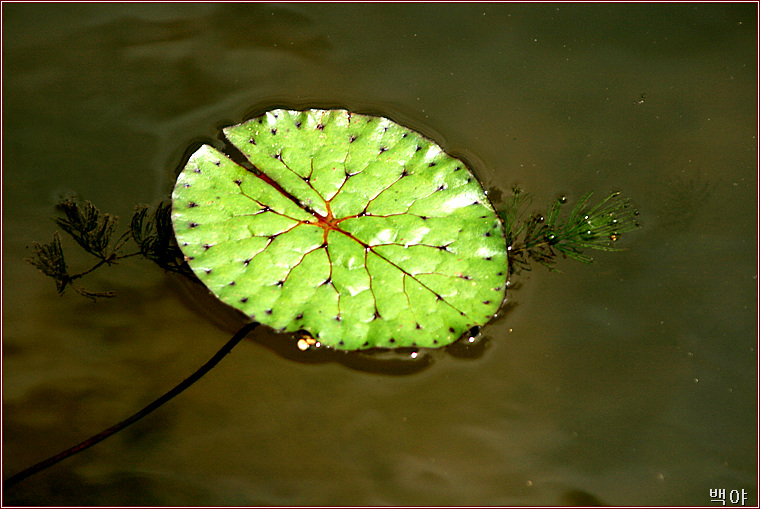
column 354, row 228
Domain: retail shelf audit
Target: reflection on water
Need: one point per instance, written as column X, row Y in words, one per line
column 627, row 382
column 683, row 199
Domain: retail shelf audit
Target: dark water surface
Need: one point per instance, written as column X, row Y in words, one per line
column 629, row 381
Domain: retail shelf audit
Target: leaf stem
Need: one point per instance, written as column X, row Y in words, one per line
column 42, row 465
column 108, row 260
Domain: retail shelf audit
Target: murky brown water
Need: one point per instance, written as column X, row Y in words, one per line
column 630, row 381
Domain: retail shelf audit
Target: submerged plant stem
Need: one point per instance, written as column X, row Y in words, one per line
column 42, row 465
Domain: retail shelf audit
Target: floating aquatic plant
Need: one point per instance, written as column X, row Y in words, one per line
column 541, row 237
column 352, row 228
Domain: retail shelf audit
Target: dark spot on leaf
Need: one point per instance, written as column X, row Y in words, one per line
column 423, row 217
column 265, row 209
column 441, row 187
column 300, row 315
column 383, row 149
column 341, row 342
column 218, row 163
column 206, row 246
column 191, row 257
column 385, row 129
column 404, row 135
column 268, row 311
column 487, row 234
column 435, row 341
column 306, row 179
column 208, row 271
column 486, row 302
column 499, row 273
column 469, row 179
column 192, row 204
column 417, row 326
column 457, row 168
column 193, row 225
column 352, row 139
column 321, row 127
column 474, row 331
column 324, row 245
column 438, row 297
column 280, row 283
column 431, row 165
column 476, row 202
column 187, row 185
column 443, row 248
column 451, row 329
column 327, row 281
column 366, row 343
column 232, row 283
column 244, row 300
column 377, row 314
column 272, row 237
column 246, row 262
column 337, row 318
column 197, row 170
column 404, row 173
column 277, row 156
column 298, row 124
column 467, row 277
column 184, row 243
column 274, row 131
column 418, row 148
column 252, row 141
column 238, row 181
column 392, row 340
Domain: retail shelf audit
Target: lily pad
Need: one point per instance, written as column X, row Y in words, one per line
column 352, row 227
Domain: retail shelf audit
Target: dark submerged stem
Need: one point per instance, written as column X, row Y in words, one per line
column 42, row 465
